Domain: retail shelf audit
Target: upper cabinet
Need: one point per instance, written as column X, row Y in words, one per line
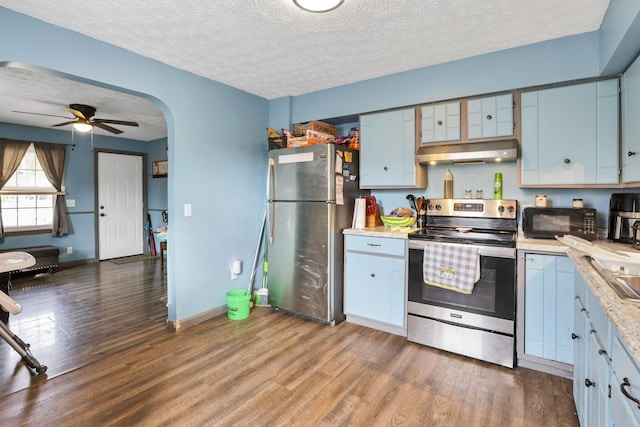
column 631, row 124
column 490, row 117
column 440, row 122
column 387, row 151
column 570, row 135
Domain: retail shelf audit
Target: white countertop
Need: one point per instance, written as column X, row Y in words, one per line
column 624, row 315
column 381, row 231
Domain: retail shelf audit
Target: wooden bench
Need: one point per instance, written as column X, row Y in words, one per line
column 46, row 257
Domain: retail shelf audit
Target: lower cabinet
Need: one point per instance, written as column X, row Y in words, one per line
column 625, row 387
column 375, row 282
column 592, row 363
column 548, row 302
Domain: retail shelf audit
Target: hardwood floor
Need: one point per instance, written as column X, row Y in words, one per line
column 270, row 369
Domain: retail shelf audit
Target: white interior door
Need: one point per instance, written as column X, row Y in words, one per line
column 120, row 209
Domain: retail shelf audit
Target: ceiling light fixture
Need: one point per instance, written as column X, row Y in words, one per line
column 318, row 6
column 82, row 126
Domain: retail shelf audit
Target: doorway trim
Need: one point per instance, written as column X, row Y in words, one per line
column 96, row 208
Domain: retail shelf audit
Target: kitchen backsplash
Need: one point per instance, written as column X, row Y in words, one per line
column 481, row 176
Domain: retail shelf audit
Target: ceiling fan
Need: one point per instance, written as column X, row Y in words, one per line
column 84, row 120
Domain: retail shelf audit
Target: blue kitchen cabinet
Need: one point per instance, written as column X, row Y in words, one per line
column 592, row 364
column 570, row 135
column 490, row 117
column 630, row 85
column 440, row 122
column 624, row 412
column 548, row 300
column 375, row 282
column 387, row 151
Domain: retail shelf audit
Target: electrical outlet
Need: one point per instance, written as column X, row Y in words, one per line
column 69, row 250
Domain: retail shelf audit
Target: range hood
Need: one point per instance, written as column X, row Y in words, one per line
column 468, row 153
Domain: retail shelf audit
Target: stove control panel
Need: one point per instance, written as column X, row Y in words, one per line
column 473, row 208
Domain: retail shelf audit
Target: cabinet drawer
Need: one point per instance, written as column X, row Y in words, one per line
column 376, row 245
column 624, row 411
column 599, row 320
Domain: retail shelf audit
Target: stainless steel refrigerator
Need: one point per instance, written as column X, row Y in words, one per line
column 311, row 194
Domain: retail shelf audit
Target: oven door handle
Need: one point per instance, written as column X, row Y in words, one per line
column 488, row 251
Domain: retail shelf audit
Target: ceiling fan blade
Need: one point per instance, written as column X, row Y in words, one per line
column 77, row 113
column 64, row 124
column 107, row 128
column 40, row 114
column 115, row 122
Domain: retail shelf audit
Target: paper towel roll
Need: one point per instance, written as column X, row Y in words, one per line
column 359, row 213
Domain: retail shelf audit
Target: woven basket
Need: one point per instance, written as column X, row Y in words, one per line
column 275, row 143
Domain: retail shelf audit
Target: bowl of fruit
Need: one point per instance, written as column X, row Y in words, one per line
column 400, row 217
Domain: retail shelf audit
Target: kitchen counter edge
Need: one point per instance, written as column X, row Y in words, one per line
column 381, row 231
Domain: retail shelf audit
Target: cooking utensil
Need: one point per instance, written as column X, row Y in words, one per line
column 412, row 202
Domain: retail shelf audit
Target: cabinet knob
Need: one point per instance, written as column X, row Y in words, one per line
column 385, row 168
column 439, row 122
column 102, row 214
column 373, row 274
column 567, row 161
column 626, row 383
column 601, row 352
column 589, row 383
column 489, row 117
column 574, row 336
column 631, row 153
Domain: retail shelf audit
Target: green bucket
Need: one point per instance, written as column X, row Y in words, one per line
column 238, row 304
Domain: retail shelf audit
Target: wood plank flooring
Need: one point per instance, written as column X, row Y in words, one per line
column 272, row 369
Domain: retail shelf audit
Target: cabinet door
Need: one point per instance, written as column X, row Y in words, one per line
column 565, row 295
column 440, row 122
column 374, row 288
column 490, row 117
column 631, row 123
column 387, row 149
column 624, row 412
column 549, row 293
column 580, row 335
column 570, row 135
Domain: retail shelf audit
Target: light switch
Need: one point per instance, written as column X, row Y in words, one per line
column 71, row 203
column 187, row 209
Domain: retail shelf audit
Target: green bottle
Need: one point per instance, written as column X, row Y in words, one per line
column 497, row 186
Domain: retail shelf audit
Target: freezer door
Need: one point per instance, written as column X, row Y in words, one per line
column 305, row 173
column 300, row 275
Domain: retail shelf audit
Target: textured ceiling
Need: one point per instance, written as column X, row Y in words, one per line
column 271, row 48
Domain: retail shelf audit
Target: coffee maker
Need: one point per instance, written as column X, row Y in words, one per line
column 624, row 217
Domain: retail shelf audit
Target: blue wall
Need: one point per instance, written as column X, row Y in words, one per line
column 216, row 134
column 79, row 185
column 217, row 152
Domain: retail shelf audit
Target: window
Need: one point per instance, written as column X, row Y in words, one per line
column 28, row 197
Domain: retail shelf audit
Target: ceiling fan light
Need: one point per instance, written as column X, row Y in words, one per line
column 82, row 127
column 318, row 6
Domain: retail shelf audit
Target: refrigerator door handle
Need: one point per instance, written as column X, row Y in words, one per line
column 269, row 211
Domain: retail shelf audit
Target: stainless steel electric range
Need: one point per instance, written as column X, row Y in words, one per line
column 481, row 324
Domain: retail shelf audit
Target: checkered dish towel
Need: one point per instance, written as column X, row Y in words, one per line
column 451, row 267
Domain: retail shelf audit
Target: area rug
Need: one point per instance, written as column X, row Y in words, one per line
column 134, row 258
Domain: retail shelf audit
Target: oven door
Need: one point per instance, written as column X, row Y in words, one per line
column 493, row 295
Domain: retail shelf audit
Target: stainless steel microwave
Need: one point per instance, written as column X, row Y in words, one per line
column 546, row 223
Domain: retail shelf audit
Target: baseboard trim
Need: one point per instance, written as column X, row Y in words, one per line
column 177, row 325
column 369, row 323
column 558, row 369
